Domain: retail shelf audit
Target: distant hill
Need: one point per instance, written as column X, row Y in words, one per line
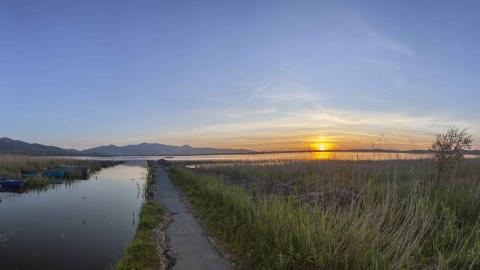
column 9, row 146
column 474, row 152
column 155, row 149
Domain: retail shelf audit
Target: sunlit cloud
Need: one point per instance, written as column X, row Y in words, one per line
column 300, row 130
column 335, row 76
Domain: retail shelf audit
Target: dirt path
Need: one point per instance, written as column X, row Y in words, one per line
column 188, row 241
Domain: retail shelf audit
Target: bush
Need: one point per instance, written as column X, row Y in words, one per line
column 450, row 147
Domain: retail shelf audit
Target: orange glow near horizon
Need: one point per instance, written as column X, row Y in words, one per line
column 328, row 141
column 323, row 146
column 322, row 143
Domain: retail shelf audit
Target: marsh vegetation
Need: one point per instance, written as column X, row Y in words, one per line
column 398, row 214
column 17, row 166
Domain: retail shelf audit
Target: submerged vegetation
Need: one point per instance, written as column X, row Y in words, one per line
column 395, row 214
column 143, row 253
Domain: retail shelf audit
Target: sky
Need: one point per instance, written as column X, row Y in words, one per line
column 261, row 75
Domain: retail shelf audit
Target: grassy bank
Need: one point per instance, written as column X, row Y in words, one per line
column 340, row 214
column 143, row 253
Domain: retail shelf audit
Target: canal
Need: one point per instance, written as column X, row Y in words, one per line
column 85, row 224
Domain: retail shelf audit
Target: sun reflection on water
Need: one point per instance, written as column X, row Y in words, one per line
column 322, row 155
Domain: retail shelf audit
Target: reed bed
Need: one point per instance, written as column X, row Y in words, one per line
column 12, row 165
column 340, row 214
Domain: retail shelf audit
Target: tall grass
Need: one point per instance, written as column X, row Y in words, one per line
column 11, row 164
column 293, row 215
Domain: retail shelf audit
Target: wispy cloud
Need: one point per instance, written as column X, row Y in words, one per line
column 383, row 42
column 350, row 129
column 374, row 38
column 278, row 91
column 299, row 104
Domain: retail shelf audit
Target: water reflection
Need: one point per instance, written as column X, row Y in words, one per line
column 323, row 155
column 82, row 224
column 360, row 156
column 272, row 156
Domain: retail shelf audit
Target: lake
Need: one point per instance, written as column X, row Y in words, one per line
column 85, row 224
column 274, row 156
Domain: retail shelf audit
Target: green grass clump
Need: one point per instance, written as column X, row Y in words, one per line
column 150, row 182
column 142, row 252
column 403, row 218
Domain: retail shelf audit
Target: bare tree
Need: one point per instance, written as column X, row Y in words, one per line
column 450, row 147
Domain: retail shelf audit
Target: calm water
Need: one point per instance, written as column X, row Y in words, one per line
column 81, row 225
column 275, row 156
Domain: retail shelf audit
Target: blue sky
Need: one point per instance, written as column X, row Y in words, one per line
column 251, row 74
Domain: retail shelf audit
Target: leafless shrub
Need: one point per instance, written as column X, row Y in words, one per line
column 450, row 147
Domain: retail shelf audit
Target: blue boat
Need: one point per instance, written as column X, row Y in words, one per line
column 54, row 174
column 10, row 183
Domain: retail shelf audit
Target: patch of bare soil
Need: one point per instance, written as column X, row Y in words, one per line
column 163, row 243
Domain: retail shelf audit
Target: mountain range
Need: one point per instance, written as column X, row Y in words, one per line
column 10, row 146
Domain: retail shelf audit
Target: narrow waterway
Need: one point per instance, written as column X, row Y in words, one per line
column 84, row 224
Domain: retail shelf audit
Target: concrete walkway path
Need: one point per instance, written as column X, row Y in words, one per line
column 190, row 245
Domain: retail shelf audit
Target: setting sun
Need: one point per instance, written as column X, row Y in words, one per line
column 322, row 147
column 322, row 143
